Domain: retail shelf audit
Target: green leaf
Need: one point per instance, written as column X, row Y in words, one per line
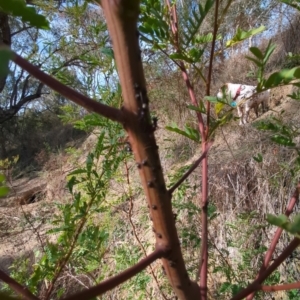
column 4, row 190
column 256, row 52
column 257, row 62
column 73, row 181
column 218, row 107
column 78, row 171
column 200, row 109
column 181, row 57
column 2, row 177
column 270, row 49
column 295, row 225
column 108, row 52
column 258, row 158
column 282, row 140
column 225, row 287
column 189, row 132
column 211, row 99
column 242, row 35
column 18, row 8
column 281, row 221
column 284, row 76
column 5, row 56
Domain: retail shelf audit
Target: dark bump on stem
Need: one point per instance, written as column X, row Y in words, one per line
column 174, row 216
column 163, row 270
column 179, row 287
column 150, row 184
column 144, row 162
column 154, row 207
column 138, row 165
column 172, row 264
column 159, row 236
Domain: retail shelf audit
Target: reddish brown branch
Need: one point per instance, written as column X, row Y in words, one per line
column 174, row 27
column 256, row 285
column 78, row 98
column 18, row 288
column 111, row 283
column 211, row 58
column 282, row 287
column 191, row 170
column 277, row 235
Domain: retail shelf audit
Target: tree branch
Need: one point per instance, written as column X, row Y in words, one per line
column 191, row 169
column 78, row 98
column 18, row 288
column 211, row 58
column 122, row 17
column 277, row 235
column 111, row 283
column 282, row 287
column 255, row 286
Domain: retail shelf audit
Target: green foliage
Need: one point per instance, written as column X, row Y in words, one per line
column 283, row 222
column 236, row 261
column 194, row 22
column 292, row 60
column 295, row 95
column 293, row 3
column 258, row 158
column 242, row 35
column 18, row 8
column 261, row 59
column 281, row 134
column 188, row 132
column 154, row 22
column 4, row 190
column 6, row 55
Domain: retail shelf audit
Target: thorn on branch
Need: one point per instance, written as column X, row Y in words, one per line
column 150, row 184
column 144, row 162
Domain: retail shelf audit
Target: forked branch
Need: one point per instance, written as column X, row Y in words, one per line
column 191, row 169
column 255, row 286
column 277, row 235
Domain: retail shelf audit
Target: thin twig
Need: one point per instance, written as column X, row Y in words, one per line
column 211, row 58
column 135, row 233
column 190, row 171
column 111, row 283
column 33, row 229
column 277, row 235
column 18, row 288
